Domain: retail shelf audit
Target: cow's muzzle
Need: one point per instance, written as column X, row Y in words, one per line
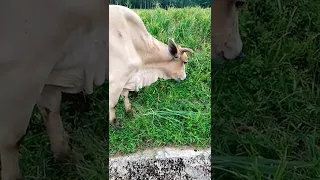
column 221, row 59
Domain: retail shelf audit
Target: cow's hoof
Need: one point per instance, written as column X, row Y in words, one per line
column 116, row 124
column 129, row 110
column 61, row 158
column 131, row 116
column 62, row 152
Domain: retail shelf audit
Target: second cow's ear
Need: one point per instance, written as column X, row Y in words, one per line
column 173, row 49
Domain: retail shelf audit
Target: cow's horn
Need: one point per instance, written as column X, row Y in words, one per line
column 186, row 50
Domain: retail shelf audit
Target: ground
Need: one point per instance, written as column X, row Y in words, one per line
column 268, row 105
column 166, row 113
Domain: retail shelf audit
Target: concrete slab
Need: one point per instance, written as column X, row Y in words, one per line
column 162, row 163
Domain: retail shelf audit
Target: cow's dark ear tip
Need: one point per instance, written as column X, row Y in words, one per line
column 171, row 42
column 172, row 47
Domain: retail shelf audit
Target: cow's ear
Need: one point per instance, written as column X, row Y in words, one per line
column 173, row 48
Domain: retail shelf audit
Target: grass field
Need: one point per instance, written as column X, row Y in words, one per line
column 169, row 112
column 268, row 106
column 166, row 113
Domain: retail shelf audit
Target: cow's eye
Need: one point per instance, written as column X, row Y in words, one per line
column 184, row 62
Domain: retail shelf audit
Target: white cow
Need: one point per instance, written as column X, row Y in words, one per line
column 137, row 59
column 46, row 47
column 49, row 47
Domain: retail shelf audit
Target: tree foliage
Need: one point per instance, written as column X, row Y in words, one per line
column 149, row 4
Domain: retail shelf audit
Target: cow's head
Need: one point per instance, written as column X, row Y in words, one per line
column 226, row 40
column 175, row 68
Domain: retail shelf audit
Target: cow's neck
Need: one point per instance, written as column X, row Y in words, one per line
column 155, row 54
column 155, row 59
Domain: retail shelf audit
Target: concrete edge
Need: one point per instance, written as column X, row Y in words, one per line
column 166, row 163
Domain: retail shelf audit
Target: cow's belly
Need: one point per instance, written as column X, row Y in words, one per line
column 83, row 63
column 70, row 80
column 68, row 73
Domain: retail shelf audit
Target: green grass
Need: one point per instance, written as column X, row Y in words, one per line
column 266, row 122
column 168, row 112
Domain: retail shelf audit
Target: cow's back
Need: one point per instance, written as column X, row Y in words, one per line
column 126, row 33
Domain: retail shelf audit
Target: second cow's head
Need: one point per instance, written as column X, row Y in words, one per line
column 226, row 40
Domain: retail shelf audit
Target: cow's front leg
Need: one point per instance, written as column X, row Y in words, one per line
column 112, row 117
column 49, row 105
column 14, row 121
column 10, row 140
column 125, row 98
column 114, row 94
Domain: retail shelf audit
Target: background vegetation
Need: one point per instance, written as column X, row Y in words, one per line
column 267, row 107
column 150, row 4
column 166, row 113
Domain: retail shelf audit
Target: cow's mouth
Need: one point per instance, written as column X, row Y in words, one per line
column 222, row 55
column 180, row 78
column 175, row 78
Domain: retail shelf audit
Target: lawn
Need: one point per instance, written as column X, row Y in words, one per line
column 267, row 106
column 166, row 113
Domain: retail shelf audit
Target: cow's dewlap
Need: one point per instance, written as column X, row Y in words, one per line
column 145, row 77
